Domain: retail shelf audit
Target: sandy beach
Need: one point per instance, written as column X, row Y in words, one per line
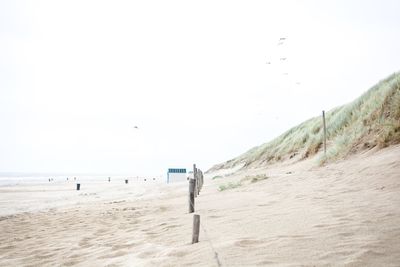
column 342, row 214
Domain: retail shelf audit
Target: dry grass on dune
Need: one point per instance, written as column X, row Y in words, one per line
column 372, row 120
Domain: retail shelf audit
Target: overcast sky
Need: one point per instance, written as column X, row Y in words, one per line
column 76, row 77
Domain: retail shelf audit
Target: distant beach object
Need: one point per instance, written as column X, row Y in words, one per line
column 75, row 178
column 196, row 228
column 78, row 187
column 282, row 58
column 135, row 127
column 109, row 179
column 49, row 180
column 126, row 181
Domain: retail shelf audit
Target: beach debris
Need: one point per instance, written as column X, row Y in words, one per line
column 282, row 59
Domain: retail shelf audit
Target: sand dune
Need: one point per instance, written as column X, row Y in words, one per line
column 343, row 214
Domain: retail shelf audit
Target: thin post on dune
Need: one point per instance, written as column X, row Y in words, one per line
column 324, row 124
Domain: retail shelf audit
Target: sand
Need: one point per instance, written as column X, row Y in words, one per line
column 342, row 214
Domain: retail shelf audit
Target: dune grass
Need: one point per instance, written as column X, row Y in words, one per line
column 249, row 179
column 230, row 185
column 255, row 178
column 372, row 120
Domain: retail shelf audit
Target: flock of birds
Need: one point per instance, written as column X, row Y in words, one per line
column 282, row 59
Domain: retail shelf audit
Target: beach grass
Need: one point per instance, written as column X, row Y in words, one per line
column 372, row 120
column 230, row 185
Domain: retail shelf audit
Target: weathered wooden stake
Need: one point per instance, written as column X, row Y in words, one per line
column 196, row 228
column 126, row 181
column 191, row 195
column 200, row 173
column 196, row 188
column 78, row 186
column 323, row 120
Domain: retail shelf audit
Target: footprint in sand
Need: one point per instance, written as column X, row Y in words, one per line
column 346, row 234
column 248, row 242
column 115, row 255
column 70, row 263
column 84, row 243
column 147, row 254
column 178, row 254
column 126, row 246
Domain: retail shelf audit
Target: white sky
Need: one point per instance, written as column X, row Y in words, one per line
column 77, row 76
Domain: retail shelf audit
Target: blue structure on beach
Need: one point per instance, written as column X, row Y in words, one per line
column 176, row 175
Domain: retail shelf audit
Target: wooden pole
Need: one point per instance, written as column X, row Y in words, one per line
column 126, row 181
column 196, row 180
column 201, row 179
column 191, row 195
column 196, row 228
column 78, row 187
column 323, row 120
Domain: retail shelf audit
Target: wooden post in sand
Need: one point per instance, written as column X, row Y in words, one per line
column 196, row 228
column 196, row 188
column 191, row 195
column 323, row 121
column 78, row 187
column 126, row 181
column 200, row 173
